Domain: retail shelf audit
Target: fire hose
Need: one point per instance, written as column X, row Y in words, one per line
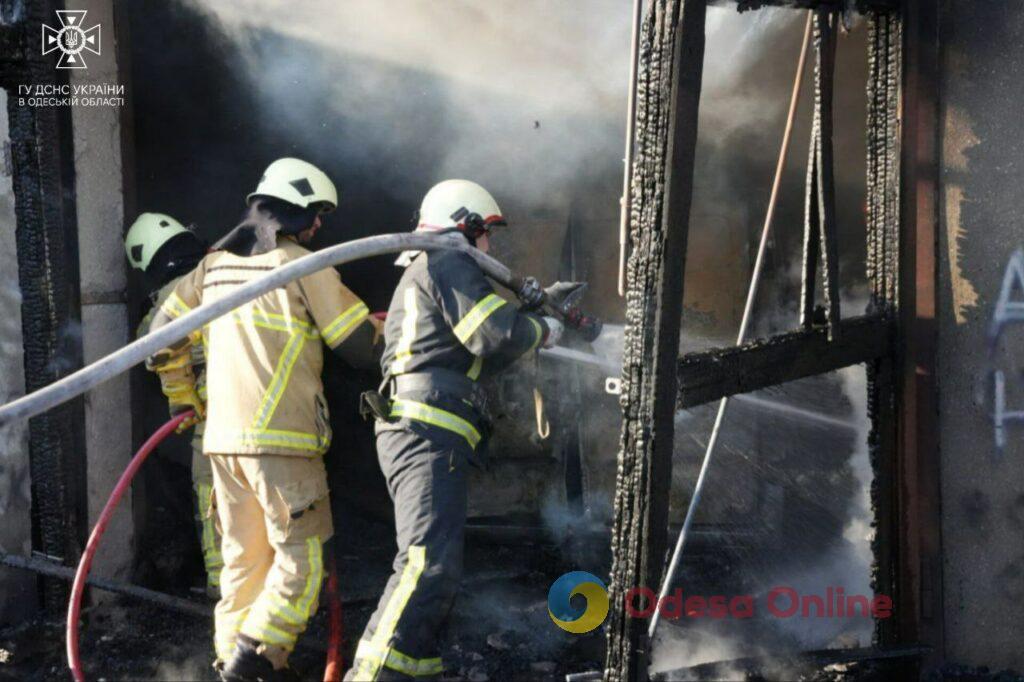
column 115, row 363
column 119, row 361
column 332, row 672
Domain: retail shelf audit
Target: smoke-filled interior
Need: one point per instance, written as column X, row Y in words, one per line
column 529, row 98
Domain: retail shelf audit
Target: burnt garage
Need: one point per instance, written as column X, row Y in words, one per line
column 807, row 292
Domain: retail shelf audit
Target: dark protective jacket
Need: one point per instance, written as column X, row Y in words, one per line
column 445, row 329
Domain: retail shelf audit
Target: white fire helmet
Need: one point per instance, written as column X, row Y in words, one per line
column 456, row 204
column 297, row 182
column 459, row 204
column 147, row 235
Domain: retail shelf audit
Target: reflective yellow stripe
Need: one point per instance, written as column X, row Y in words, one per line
column 416, row 667
column 212, row 558
column 299, row 614
column 285, row 611
column 174, row 307
column 282, row 373
column 268, row 634
column 404, row 350
column 411, row 409
column 396, row 660
column 296, row 440
column 344, row 323
column 225, row 630
column 476, row 317
column 474, row 370
column 377, row 649
column 280, row 323
column 315, row 577
column 540, row 332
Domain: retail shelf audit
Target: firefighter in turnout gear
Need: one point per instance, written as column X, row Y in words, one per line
column 165, row 251
column 267, row 423
column 446, row 328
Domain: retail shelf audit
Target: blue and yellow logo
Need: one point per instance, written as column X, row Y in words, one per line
column 560, row 606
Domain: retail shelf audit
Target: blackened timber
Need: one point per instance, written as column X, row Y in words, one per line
column 882, row 266
column 824, row 72
column 820, row 242
column 42, row 178
column 718, row 373
column 812, row 237
column 668, row 96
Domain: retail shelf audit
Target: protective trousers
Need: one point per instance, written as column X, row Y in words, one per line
column 428, row 487
column 206, row 524
column 275, row 515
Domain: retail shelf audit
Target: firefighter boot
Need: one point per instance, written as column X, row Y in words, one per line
column 249, row 664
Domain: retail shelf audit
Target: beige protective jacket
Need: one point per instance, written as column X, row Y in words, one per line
column 263, row 360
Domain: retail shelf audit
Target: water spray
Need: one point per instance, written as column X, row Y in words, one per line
column 755, row 279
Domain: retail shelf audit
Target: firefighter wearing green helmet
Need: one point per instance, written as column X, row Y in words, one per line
column 267, row 423
column 164, row 251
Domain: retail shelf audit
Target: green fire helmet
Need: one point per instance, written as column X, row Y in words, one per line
column 147, row 235
column 297, row 182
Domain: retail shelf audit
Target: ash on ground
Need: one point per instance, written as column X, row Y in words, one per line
column 499, row 627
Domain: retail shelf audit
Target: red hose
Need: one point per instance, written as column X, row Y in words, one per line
column 335, row 663
column 332, row 672
column 75, row 603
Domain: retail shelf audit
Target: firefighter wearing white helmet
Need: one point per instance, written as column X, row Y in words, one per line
column 446, row 328
column 460, row 204
column 298, row 183
column 165, row 251
column 456, row 205
column 267, row 421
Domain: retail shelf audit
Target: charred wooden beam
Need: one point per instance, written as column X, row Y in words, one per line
column 812, row 239
column 668, row 95
column 42, row 176
column 820, row 229
column 885, row 65
column 713, row 374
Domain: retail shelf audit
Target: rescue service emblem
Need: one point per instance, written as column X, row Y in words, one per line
column 71, row 39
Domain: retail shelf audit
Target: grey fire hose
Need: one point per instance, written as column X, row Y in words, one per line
column 111, row 365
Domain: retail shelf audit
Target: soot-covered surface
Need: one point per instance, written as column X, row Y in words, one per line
column 500, row 628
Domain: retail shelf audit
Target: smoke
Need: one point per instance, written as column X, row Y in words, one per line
column 819, row 538
column 521, row 97
column 195, row 667
column 672, row 651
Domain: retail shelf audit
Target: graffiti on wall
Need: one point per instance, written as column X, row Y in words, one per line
column 1009, row 311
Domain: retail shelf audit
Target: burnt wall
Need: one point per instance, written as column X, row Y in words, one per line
column 979, row 355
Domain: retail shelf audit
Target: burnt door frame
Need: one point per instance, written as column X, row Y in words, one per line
column 895, row 340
